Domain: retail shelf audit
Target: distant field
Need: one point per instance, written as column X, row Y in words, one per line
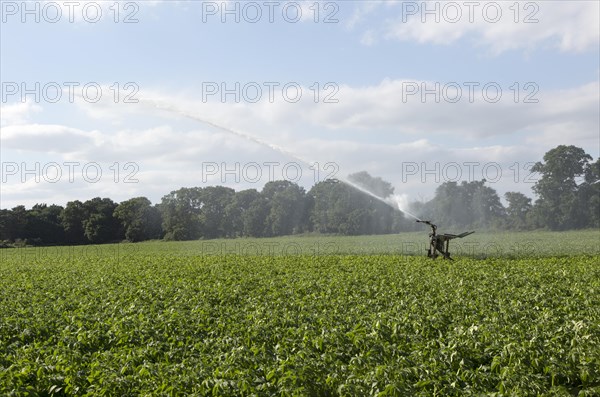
column 479, row 245
column 519, row 314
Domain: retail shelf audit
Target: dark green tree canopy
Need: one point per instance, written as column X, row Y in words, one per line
column 100, row 225
column 518, row 210
column 140, row 220
column 562, row 203
column 469, row 204
column 568, row 193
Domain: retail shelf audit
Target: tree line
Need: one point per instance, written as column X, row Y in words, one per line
column 568, row 198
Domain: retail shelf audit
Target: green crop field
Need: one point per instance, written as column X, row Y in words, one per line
column 514, row 315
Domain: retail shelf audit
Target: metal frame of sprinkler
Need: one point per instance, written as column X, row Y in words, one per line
column 440, row 242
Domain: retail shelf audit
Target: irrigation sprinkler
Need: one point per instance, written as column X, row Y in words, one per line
column 440, row 242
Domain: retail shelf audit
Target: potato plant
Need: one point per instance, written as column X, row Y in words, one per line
column 170, row 324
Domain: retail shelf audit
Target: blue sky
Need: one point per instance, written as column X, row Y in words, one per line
column 371, row 54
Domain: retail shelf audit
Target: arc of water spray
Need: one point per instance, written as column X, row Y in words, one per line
column 169, row 108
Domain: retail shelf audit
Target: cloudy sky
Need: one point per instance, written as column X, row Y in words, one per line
column 139, row 98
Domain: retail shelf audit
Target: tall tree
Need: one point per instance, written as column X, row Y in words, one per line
column 140, row 220
column 518, row 210
column 488, row 211
column 72, row 218
column 470, row 204
column 5, row 225
column 588, row 196
column 13, row 223
column 213, row 218
column 340, row 208
column 558, row 206
column 287, row 208
column 247, row 212
column 180, row 212
column 101, row 226
column 44, row 225
column 331, row 206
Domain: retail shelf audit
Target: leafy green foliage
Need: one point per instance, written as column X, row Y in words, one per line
column 468, row 204
column 568, row 190
column 139, row 218
column 519, row 206
column 563, row 203
column 339, row 208
column 164, row 322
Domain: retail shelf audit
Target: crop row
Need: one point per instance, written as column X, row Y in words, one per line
column 300, row 325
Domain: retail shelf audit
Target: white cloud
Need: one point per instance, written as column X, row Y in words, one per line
column 47, row 138
column 364, row 9
column 371, row 129
column 570, row 26
column 17, row 113
column 389, row 108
